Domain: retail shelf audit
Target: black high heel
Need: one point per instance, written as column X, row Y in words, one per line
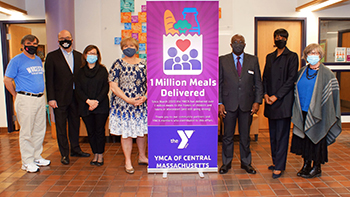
column 100, row 163
column 93, row 163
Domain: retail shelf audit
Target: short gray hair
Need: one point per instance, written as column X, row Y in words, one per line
column 312, row 47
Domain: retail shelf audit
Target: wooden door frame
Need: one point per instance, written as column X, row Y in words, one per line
column 330, row 19
column 338, row 75
column 340, row 36
column 5, row 60
column 303, row 30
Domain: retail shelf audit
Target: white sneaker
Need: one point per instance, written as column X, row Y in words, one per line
column 42, row 162
column 31, row 167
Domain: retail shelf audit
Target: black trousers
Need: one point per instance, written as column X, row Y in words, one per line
column 244, row 122
column 95, row 126
column 62, row 115
column 279, row 139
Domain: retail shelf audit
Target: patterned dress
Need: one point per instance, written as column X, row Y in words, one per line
column 125, row 119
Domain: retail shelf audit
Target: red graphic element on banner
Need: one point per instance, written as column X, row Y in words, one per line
column 183, row 44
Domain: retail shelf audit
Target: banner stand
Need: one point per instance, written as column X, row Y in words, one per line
column 182, row 86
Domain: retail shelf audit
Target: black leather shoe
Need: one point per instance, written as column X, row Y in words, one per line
column 315, row 172
column 79, row 154
column 99, row 163
column 65, row 160
column 305, row 169
column 275, row 176
column 272, row 167
column 224, row 169
column 249, row 169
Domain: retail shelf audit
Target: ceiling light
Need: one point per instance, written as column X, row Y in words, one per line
column 10, row 9
column 317, row 5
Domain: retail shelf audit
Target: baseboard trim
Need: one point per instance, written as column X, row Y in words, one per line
column 345, row 125
column 3, row 129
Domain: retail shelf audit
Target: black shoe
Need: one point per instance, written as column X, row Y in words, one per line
column 93, row 163
column 275, row 176
column 224, row 168
column 305, row 169
column 142, row 163
column 314, row 172
column 65, row 160
column 249, row 169
column 99, row 163
column 272, row 167
column 79, row 154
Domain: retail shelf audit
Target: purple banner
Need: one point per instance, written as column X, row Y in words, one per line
column 182, row 74
column 182, row 148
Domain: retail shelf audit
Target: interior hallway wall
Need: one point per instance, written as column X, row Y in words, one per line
column 98, row 22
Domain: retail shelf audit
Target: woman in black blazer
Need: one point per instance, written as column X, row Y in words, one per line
column 92, row 92
column 278, row 80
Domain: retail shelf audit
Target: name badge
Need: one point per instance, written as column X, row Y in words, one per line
column 141, row 65
column 251, row 72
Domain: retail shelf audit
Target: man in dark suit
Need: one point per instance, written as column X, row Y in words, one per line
column 60, row 66
column 240, row 94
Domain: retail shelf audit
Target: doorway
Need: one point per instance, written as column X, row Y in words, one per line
column 264, row 44
column 11, row 34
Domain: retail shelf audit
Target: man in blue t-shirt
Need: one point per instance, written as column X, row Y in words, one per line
column 26, row 70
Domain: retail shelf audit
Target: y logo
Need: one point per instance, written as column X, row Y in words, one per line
column 185, row 136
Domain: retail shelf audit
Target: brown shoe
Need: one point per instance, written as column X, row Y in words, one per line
column 130, row 171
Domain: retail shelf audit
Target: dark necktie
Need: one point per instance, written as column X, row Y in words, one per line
column 239, row 66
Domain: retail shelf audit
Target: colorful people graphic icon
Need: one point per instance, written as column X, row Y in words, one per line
column 172, row 52
column 196, row 65
column 177, row 66
column 185, row 64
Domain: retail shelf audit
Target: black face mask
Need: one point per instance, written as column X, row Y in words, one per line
column 280, row 43
column 31, row 49
column 237, row 48
column 65, row 43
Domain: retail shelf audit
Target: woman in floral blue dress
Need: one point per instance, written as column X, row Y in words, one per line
column 128, row 112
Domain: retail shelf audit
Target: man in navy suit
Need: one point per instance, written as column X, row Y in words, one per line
column 60, row 67
column 240, row 94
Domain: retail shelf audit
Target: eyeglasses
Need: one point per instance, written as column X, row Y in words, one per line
column 313, row 53
column 65, row 38
column 279, row 37
column 91, row 53
column 240, row 42
column 28, row 43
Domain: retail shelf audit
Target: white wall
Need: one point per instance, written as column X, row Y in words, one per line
column 98, row 22
column 35, row 9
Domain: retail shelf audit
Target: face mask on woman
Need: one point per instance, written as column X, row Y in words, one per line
column 280, row 43
column 129, row 52
column 313, row 59
column 91, row 58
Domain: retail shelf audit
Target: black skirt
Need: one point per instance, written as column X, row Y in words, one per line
column 308, row 150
